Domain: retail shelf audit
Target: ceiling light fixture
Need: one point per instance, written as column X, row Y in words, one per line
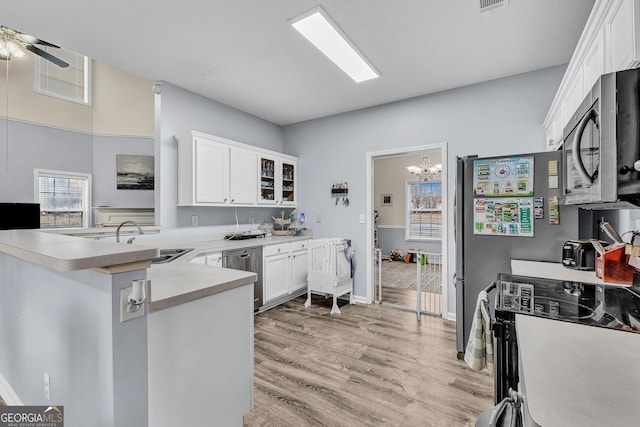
column 317, row 27
column 426, row 171
column 13, row 44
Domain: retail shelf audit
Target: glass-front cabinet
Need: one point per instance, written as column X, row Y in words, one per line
column 288, row 194
column 267, row 180
column 277, row 183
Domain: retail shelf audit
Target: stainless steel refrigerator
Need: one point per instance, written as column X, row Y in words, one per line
column 480, row 257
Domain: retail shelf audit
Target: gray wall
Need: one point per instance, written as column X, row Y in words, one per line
column 68, row 325
column 105, row 192
column 34, row 146
column 492, row 118
column 178, row 112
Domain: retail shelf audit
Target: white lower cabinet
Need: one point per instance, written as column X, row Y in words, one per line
column 299, row 265
column 277, row 271
column 285, row 269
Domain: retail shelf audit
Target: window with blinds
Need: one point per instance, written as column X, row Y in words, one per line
column 64, row 199
column 72, row 83
column 424, row 210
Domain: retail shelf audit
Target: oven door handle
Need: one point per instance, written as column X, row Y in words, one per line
column 575, row 148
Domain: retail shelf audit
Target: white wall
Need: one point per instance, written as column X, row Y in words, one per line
column 391, row 175
column 492, row 118
column 21, row 102
column 122, row 102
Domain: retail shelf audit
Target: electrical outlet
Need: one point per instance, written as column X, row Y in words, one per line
column 251, row 218
column 361, row 218
column 318, row 218
column 47, row 386
column 194, row 220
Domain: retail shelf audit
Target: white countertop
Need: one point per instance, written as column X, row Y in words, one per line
column 179, row 282
column 205, row 243
column 67, row 253
column 555, row 270
column 172, row 283
column 578, row 375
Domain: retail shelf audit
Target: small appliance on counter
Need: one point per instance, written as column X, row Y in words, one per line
column 579, row 255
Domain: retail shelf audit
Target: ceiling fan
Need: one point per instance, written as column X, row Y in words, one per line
column 13, row 42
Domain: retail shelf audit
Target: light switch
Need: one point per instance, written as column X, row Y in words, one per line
column 361, row 218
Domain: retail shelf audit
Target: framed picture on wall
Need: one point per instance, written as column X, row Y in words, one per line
column 386, row 200
column 134, row 172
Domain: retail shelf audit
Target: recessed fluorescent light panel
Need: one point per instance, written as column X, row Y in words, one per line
column 317, row 27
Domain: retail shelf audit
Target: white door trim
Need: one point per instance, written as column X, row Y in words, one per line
column 370, row 157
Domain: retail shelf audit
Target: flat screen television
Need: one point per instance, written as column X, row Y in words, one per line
column 19, row 216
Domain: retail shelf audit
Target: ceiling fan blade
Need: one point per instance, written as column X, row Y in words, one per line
column 46, row 55
column 34, row 40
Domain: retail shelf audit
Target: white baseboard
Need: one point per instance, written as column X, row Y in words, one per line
column 357, row 299
column 8, row 394
column 449, row 316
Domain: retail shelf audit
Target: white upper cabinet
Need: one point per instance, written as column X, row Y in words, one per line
column 243, row 175
column 620, row 33
column 205, row 179
column 610, row 42
column 214, row 171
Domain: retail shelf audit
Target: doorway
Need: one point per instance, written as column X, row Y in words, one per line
column 407, row 228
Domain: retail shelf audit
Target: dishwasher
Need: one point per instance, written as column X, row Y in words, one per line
column 247, row 259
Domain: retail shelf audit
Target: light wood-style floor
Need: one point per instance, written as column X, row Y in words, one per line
column 372, row 365
column 430, row 302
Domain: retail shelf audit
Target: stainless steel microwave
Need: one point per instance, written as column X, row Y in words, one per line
column 601, row 144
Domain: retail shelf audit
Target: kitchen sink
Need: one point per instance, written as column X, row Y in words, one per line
column 168, row 255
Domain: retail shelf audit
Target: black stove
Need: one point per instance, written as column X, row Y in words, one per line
column 607, row 306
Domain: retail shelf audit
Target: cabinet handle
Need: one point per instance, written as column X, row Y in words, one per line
column 233, row 200
column 225, row 199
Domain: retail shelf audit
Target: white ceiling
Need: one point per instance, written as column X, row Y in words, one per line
column 244, row 53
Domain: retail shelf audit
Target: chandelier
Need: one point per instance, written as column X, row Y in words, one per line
column 426, row 171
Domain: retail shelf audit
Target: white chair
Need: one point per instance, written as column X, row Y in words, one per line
column 329, row 271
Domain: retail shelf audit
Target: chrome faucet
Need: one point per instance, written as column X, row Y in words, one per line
column 120, row 226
